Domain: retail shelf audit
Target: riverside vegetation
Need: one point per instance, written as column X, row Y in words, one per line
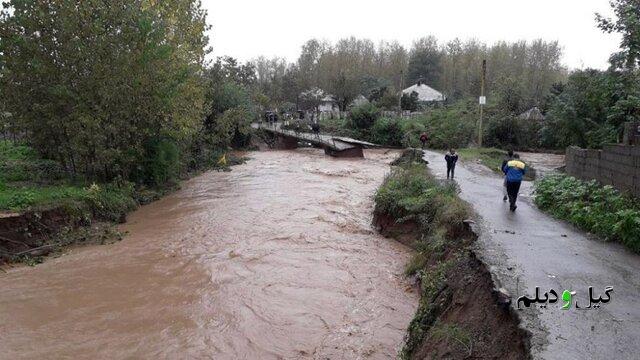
column 46, row 209
column 458, row 314
column 107, row 105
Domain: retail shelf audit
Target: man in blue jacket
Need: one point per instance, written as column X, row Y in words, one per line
column 504, row 184
column 514, row 171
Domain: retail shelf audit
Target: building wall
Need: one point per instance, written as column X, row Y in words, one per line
column 327, row 106
column 616, row 164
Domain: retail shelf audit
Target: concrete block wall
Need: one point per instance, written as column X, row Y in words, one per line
column 616, row 165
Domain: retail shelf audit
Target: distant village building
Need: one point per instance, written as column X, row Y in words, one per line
column 360, row 100
column 327, row 104
column 533, row 114
column 426, row 94
column 316, row 99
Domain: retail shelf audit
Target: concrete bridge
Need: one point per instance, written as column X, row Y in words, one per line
column 337, row 146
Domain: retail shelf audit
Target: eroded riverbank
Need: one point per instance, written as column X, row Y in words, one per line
column 274, row 259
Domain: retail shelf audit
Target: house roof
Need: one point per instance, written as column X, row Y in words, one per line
column 359, row 100
column 425, row 92
column 532, row 114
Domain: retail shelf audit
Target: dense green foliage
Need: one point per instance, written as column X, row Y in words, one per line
column 452, row 126
column 21, row 163
column 593, row 105
column 117, row 91
column 388, row 132
column 425, row 61
column 409, row 102
column 410, row 193
column 627, row 23
column 591, row 108
column 92, row 83
column 601, row 210
column 364, row 116
column 30, row 182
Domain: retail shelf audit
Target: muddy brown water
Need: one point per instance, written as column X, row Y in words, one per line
column 275, row 259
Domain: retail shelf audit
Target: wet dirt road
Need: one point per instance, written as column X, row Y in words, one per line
column 275, row 259
column 529, row 248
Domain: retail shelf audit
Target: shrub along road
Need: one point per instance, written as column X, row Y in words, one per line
column 529, row 248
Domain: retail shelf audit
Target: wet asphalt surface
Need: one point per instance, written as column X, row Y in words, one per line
column 529, row 248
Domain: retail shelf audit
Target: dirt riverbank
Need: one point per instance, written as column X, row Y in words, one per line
column 463, row 312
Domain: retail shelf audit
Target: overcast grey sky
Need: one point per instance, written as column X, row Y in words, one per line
column 246, row 29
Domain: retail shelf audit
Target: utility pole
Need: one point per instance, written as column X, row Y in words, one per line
column 482, row 100
column 400, row 96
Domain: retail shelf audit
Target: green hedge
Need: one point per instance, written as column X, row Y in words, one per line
column 601, row 210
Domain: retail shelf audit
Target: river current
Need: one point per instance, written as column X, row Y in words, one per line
column 275, row 259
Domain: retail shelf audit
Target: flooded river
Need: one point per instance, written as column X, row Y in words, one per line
column 275, row 259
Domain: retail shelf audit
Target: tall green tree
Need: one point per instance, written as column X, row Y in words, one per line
column 425, row 62
column 627, row 23
column 93, row 82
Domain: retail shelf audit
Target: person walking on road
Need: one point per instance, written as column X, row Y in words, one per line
column 514, row 171
column 504, row 183
column 423, row 139
column 451, row 158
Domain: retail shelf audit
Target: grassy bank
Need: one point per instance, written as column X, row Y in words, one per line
column 458, row 316
column 44, row 209
column 601, row 210
column 430, row 208
column 489, row 157
column 492, row 158
column 29, row 183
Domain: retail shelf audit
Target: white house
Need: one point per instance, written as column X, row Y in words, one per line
column 533, row 114
column 425, row 92
column 316, row 99
column 327, row 104
column 359, row 100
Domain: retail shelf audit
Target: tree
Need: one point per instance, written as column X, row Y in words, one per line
column 628, row 25
column 92, row 82
column 509, row 94
column 344, row 88
column 233, row 103
column 227, row 68
column 232, row 128
column 424, row 61
column 409, row 102
column 364, row 116
column 353, row 66
column 308, row 63
column 311, row 99
column 373, row 87
column 581, row 109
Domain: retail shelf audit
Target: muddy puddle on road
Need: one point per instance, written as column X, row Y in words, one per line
column 275, row 259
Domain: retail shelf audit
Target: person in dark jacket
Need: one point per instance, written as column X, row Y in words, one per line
column 315, row 127
column 504, row 184
column 514, row 171
column 423, row 139
column 451, row 158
